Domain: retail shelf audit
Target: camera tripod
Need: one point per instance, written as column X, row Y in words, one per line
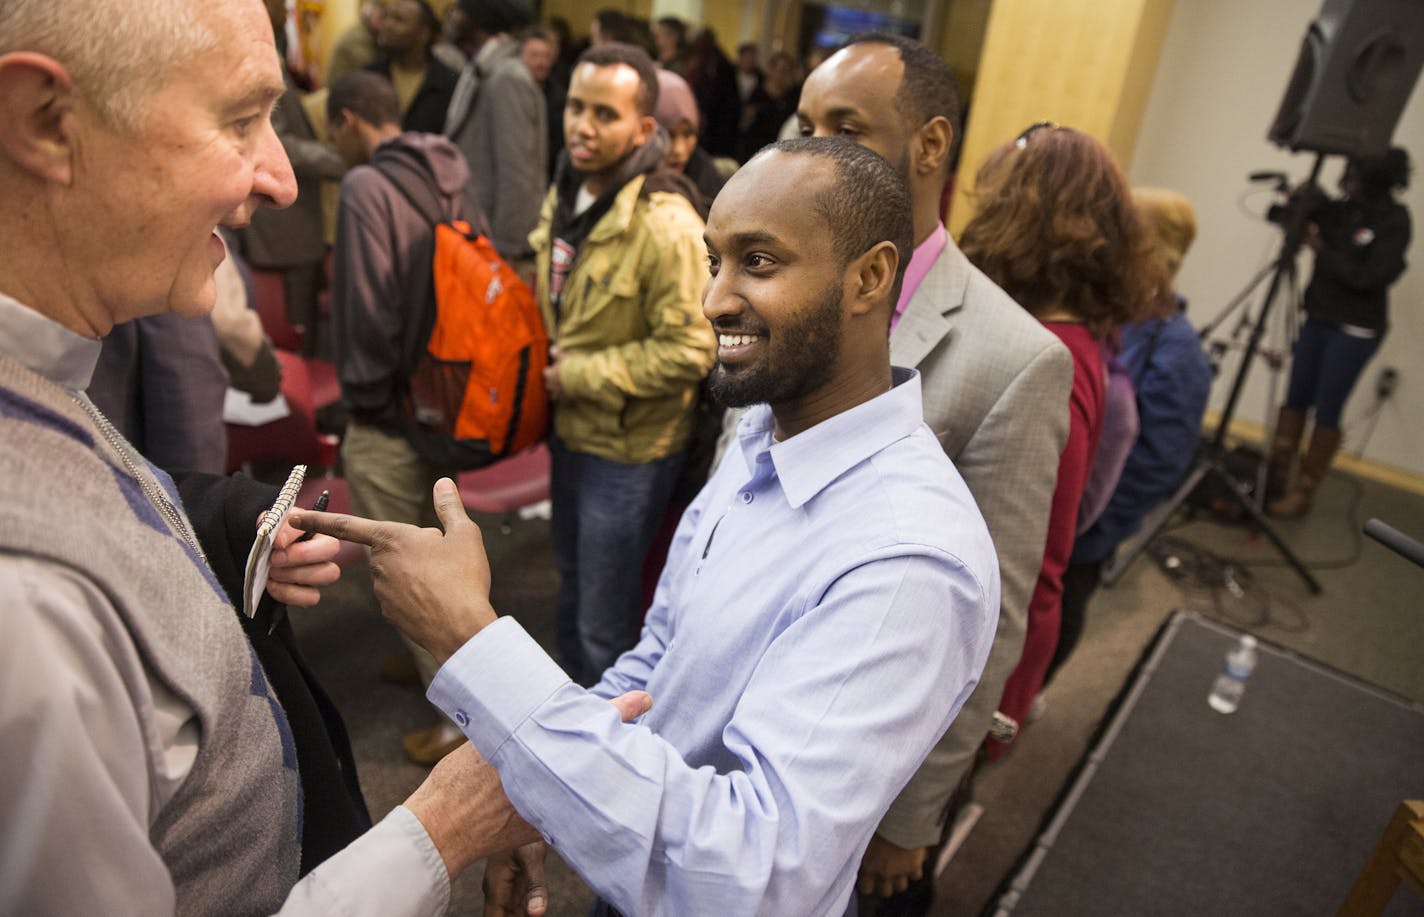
column 1213, row 458
column 1286, row 328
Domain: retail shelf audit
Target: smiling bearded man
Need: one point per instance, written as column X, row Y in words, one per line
column 796, row 362
column 826, row 607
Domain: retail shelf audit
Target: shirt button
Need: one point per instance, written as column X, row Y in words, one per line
column 462, row 718
column 747, row 496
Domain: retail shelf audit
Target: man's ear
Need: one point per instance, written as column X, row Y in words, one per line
column 931, row 146
column 646, row 126
column 37, row 100
column 347, row 129
column 872, row 278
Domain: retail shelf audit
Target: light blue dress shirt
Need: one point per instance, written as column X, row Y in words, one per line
column 826, row 607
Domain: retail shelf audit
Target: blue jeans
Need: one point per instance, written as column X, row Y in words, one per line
column 1325, row 365
column 605, row 514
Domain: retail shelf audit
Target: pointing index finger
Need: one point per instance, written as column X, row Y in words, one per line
column 338, row 525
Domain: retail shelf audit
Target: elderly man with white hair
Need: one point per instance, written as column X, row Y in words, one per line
column 147, row 765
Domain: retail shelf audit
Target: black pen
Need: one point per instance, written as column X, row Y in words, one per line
column 278, row 611
column 318, row 507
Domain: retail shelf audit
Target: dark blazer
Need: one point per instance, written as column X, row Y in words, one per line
column 294, row 236
column 432, row 100
column 160, row 380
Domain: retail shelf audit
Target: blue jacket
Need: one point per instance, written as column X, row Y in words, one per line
column 1170, row 372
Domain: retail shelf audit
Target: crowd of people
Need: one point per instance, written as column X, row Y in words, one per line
column 929, row 449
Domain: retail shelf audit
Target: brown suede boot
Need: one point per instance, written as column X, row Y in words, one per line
column 1285, row 446
column 428, row 746
column 1324, row 441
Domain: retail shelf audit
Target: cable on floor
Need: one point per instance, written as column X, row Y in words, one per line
column 1235, row 597
column 1354, row 533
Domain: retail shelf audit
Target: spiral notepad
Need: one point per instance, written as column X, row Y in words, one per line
column 259, row 559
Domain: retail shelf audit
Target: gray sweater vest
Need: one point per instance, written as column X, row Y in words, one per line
column 229, row 835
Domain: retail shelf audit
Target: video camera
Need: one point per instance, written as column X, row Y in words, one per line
column 1307, row 197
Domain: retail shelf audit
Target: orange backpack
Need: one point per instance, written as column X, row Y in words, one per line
column 477, row 347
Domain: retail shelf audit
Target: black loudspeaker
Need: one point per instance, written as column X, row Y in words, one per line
column 1357, row 65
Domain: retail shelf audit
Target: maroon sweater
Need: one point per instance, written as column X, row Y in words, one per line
column 1085, row 424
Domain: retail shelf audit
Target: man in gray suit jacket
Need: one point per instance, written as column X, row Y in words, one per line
column 498, row 119
column 996, row 387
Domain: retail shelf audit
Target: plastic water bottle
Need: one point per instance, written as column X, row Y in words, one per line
column 1226, row 691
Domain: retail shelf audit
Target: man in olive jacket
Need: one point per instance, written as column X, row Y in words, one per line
column 621, row 272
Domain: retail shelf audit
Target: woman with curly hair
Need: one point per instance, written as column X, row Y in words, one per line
column 1057, row 229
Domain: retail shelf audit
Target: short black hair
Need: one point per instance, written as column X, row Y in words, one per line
column 429, row 19
column 867, row 203
column 367, row 95
column 495, row 16
column 928, row 89
column 676, row 25
column 1379, row 175
column 615, row 26
column 642, row 34
column 610, row 55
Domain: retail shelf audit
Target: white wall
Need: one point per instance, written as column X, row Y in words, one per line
column 1223, row 70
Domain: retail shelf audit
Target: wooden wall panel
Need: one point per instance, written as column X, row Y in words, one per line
column 1137, row 86
column 725, row 18
column 579, row 13
column 1085, row 64
column 961, row 39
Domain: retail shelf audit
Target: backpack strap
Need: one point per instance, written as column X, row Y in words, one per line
column 417, row 186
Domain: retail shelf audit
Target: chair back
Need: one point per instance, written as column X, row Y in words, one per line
column 270, row 297
column 293, row 438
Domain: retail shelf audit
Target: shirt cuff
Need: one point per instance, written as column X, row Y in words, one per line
column 393, row 869
column 493, row 683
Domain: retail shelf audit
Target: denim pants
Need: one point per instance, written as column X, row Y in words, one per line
column 1325, row 365
column 605, row 514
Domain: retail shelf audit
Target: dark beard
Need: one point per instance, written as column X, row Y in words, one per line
column 803, row 362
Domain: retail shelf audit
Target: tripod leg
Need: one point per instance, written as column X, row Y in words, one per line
column 1264, row 526
column 1124, row 559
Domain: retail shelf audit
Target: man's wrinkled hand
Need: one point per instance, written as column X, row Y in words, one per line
column 886, row 869
column 514, row 883
column 433, row 585
column 464, row 810
column 298, row 570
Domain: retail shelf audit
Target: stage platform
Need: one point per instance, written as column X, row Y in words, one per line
column 1179, row 810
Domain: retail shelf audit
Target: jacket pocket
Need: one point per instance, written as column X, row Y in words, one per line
column 606, row 299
